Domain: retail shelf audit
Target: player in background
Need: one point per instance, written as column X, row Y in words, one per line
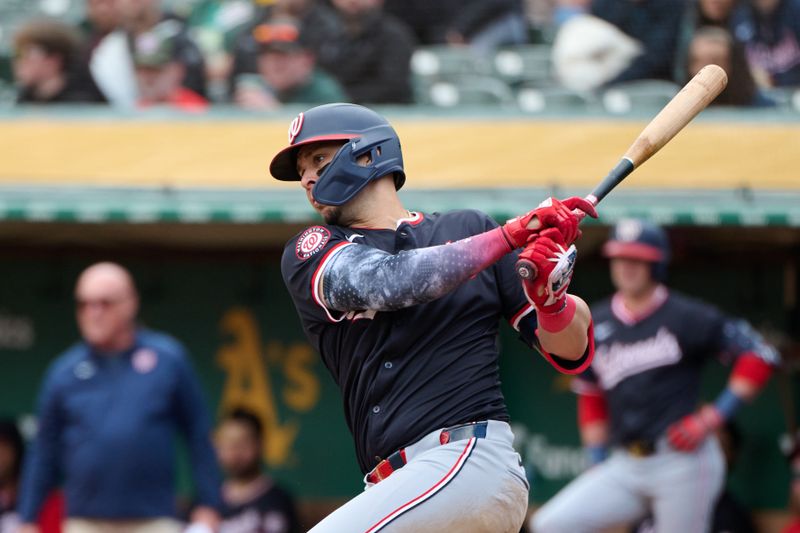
column 639, row 398
column 404, row 309
column 252, row 501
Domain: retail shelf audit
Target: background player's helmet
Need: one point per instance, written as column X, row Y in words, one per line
column 640, row 239
column 364, row 131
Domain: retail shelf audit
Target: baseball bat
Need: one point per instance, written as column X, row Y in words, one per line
column 684, row 106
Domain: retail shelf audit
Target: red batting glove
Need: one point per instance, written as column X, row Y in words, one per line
column 690, row 431
column 555, row 263
column 552, row 213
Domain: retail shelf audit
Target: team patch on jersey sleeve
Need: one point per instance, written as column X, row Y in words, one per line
column 311, row 241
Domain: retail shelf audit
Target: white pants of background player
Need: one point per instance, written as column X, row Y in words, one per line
column 678, row 489
column 471, row 486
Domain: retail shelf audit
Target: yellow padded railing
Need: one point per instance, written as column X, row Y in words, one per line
column 443, row 153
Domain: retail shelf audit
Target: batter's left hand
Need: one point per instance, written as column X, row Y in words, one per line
column 561, row 216
column 690, row 431
column 555, row 263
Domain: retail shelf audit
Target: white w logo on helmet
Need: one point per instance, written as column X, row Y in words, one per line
column 295, row 127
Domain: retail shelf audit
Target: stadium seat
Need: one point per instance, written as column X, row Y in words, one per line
column 640, row 94
column 447, row 63
column 785, row 98
column 533, row 98
column 524, row 64
column 13, row 13
column 8, row 7
column 6, row 67
column 8, row 94
column 66, row 10
column 795, row 100
column 467, row 90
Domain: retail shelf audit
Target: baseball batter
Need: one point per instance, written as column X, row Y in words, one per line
column 403, row 308
column 640, row 397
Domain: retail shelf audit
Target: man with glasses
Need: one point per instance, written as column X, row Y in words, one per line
column 108, row 410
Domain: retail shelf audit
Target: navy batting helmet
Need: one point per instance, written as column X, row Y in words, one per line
column 642, row 240
column 362, row 130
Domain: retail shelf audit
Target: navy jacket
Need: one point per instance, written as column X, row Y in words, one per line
column 107, row 428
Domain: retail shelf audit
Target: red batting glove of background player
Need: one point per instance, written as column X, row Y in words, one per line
column 555, row 263
column 552, row 213
column 690, row 431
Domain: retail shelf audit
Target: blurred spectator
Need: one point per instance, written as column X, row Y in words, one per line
column 770, row 30
column 566, row 9
column 160, row 74
column 287, row 71
column 371, row 53
column 102, row 17
column 700, row 13
column 47, row 65
column 108, row 411
column 540, row 13
column 655, row 24
column 253, row 502
column 214, row 25
column 104, row 51
column 713, row 45
column 425, row 19
column 141, row 16
column 547, row 15
column 486, row 24
column 318, row 25
column 589, row 52
column 483, row 24
column 317, row 19
column 12, row 450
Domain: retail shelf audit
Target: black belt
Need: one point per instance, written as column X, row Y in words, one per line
column 640, row 447
column 398, row 460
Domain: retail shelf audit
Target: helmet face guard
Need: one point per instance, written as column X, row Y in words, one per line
column 362, row 131
column 343, row 178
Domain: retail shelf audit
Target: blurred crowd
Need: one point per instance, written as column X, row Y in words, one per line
column 262, row 54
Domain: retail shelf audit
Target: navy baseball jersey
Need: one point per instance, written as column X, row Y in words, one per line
column 408, row 372
column 649, row 367
column 269, row 510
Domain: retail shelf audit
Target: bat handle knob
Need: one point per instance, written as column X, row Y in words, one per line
column 526, row 269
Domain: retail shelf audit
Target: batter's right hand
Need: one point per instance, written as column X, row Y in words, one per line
column 552, row 214
column 554, row 262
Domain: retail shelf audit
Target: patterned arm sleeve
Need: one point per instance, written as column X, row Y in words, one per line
column 755, row 359
column 735, row 342
column 739, row 338
column 361, row 277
